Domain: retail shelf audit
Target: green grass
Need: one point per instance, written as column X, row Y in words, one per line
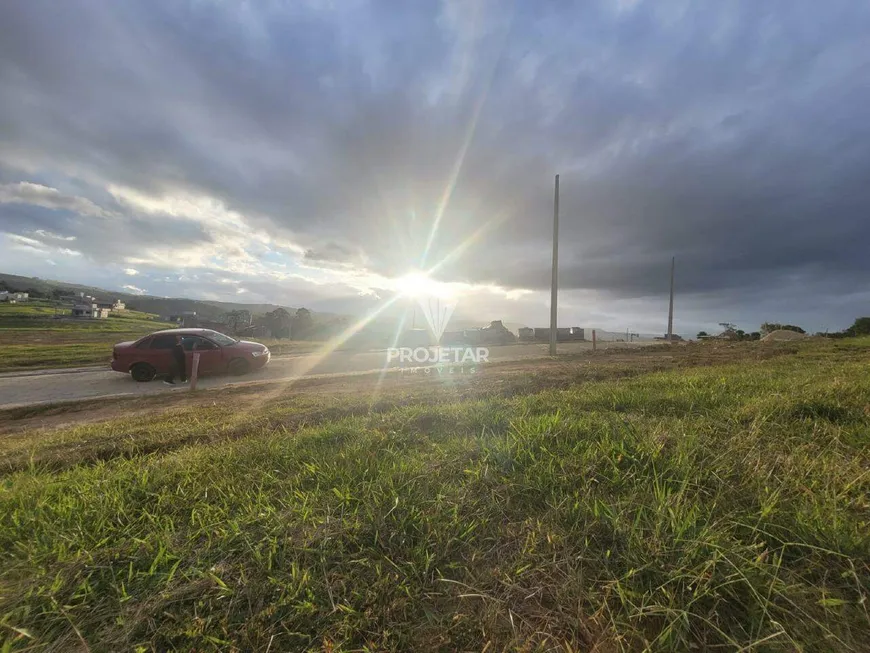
column 50, row 356
column 31, row 337
column 44, row 315
column 709, row 508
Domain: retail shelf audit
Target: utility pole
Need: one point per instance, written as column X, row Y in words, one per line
column 554, row 291
column 671, row 305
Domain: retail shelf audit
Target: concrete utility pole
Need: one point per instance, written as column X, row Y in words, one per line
column 554, row 291
column 671, row 305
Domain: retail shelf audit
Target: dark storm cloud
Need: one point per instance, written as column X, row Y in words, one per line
column 102, row 237
column 731, row 135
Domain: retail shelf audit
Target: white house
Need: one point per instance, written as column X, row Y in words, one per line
column 116, row 305
column 90, row 310
column 12, row 297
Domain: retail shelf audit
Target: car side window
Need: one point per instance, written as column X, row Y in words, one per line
column 196, row 343
column 163, row 342
column 145, row 344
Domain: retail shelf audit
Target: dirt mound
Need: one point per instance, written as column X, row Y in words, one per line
column 783, row 335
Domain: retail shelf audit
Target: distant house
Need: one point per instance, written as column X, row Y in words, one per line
column 116, row 305
column 185, row 319
column 92, row 311
column 453, row 339
column 497, row 334
column 13, row 297
column 563, row 334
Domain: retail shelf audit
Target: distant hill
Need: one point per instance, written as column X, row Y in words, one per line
column 149, row 304
column 207, row 309
column 23, row 284
column 322, row 312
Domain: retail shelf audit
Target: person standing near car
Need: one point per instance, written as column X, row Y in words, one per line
column 179, row 363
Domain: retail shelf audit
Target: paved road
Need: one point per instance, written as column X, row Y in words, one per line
column 21, row 389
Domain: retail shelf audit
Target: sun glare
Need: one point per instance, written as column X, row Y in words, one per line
column 419, row 284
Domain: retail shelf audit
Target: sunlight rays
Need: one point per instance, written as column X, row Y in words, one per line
column 454, row 175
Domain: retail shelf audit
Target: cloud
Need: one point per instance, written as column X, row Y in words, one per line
column 38, row 246
column 131, row 272
column 134, row 289
column 26, row 192
column 317, row 151
column 42, row 233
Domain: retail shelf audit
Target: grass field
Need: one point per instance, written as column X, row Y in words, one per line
column 717, row 507
column 31, row 337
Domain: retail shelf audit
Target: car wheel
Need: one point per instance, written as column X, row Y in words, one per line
column 142, row 372
column 238, row 367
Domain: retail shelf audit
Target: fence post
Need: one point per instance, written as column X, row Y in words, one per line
column 194, row 369
column 593, row 340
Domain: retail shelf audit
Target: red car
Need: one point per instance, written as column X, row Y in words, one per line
column 152, row 355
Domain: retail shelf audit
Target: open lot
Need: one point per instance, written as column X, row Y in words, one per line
column 699, row 497
column 35, row 335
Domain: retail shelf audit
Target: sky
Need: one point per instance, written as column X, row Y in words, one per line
column 333, row 153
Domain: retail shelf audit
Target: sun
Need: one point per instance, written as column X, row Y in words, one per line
column 418, row 285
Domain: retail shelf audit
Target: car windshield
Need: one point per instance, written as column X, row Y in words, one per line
column 219, row 338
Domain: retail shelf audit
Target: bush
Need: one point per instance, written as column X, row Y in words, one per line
column 767, row 327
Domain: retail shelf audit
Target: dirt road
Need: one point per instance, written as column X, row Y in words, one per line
column 22, row 389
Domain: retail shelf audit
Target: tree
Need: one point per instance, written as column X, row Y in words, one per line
column 279, row 322
column 303, row 325
column 861, row 327
column 237, row 320
column 702, row 334
column 755, row 335
column 729, row 331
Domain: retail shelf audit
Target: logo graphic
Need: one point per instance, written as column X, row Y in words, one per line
column 451, row 359
column 437, row 313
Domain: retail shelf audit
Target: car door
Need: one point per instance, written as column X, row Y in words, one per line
column 160, row 352
column 210, row 358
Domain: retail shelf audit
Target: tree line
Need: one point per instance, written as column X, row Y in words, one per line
column 861, row 327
